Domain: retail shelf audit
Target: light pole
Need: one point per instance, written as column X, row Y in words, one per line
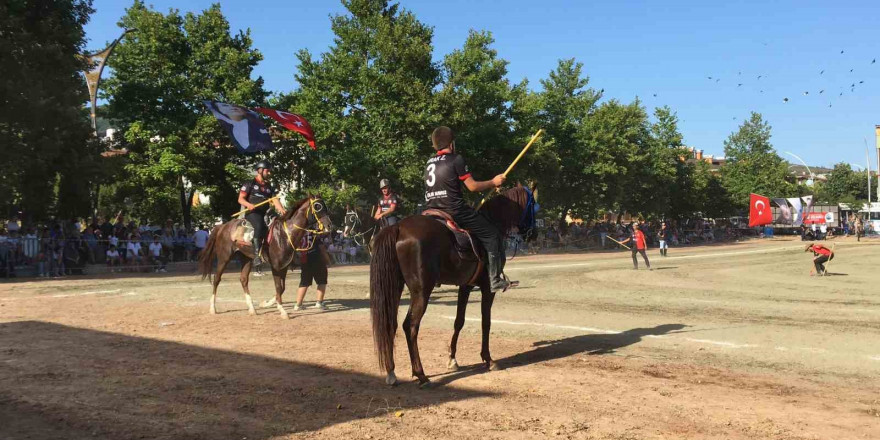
column 812, row 176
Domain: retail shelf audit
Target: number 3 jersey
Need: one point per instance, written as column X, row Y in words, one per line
column 444, row 174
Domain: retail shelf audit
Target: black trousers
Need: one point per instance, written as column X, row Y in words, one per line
column 480, row 228
column 313, row 270
column 388, row 221
column 820, row 261
column 644, row 256
column 258, row 221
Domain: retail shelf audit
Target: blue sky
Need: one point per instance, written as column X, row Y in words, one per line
column 635, row 48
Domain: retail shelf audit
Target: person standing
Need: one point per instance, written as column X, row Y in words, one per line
column 156, row 254
column 639, row 246
column 313, row 270
column 200, row 240
column 822, row 255
column 387, row 207
column 662, row 236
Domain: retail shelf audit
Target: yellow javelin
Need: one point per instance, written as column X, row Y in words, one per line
column 521, row 154
column 258, row 204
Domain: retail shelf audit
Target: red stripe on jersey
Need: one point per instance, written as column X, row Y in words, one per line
column 465, row 177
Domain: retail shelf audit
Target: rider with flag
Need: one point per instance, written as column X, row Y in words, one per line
column 444, row 175
column 253, row 193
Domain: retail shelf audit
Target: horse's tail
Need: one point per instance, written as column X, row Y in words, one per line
column 206, row 259
column 386, row 286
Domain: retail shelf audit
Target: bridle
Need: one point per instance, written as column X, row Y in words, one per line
column 359, row 238
column 316, row 205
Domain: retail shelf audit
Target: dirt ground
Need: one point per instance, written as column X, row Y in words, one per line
column 731, row 341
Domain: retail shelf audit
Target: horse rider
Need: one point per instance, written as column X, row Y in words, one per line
column 254, row 192
column 387, row 207
column 444, row 175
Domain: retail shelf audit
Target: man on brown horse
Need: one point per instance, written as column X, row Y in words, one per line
column 444, row 174
column 252, row 193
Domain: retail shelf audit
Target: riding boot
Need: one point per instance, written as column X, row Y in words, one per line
column 257, row 257
column 496, row 276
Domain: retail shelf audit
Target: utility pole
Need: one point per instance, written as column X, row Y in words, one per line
column 877, row 137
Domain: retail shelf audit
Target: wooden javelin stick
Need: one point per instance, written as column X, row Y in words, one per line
column 521, row 154
column 829, row 259
column 618, row 242
column 258, row 204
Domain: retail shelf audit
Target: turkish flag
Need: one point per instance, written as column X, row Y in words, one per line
column 291, row 122
column 759, row 210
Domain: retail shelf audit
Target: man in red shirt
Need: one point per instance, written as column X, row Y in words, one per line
column 639, row 245
column 822, row 254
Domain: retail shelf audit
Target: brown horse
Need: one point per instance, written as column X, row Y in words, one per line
column 420, row 252
column 285, row 233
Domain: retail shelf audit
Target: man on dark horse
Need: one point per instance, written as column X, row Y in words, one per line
column 252, row 193
column 444, row 175
column 386, row 209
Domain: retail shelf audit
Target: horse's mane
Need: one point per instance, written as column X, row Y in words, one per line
column 290, row 212
column 506, row 210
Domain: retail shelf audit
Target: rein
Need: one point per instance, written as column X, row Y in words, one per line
column 311, row 211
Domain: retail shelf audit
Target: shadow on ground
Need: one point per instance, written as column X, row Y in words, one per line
column 61, row 382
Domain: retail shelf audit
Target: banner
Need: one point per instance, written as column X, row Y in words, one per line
column 96, row 62
column 292, row 122
column 759, row 210
column 244, row 126
column 808, row 204
column 798, row 210
column 784, row 217
column 820, row 218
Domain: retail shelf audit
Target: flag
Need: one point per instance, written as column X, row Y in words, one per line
column 798, row 210
column 291, row 122
column 96, row 62
column 759, row 210
column 808, row 205
column 245, row 128
column 784, row 217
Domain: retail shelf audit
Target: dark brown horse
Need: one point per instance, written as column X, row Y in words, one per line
column 420, row 252
column 285, row 234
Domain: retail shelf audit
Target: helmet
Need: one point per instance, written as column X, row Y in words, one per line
column 263, row 164
column 383, row 183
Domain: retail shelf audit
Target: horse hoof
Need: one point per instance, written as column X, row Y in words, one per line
column 391, row 379
column 452, row 365
column 493, row 366
column 252, row 312
column 426, row 385
column 268, row 303
column 212, row 311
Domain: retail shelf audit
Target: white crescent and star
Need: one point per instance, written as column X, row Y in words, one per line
column 761, row 209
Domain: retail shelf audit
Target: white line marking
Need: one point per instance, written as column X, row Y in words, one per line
column 874, row 358
column 96, row 292
column 593, row 263
column 721, row 343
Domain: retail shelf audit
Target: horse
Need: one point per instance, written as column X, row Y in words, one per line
column 308, row 215
column 420, row 252
column 361, row 228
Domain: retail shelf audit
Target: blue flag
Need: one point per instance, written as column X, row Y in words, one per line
column 247, row 132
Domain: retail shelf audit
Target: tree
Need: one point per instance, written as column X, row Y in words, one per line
column 752, row 164
column 564, row 105
column 44, row 133
column 370, row 99
column 844, row 186
column 161, row 75
column 474, row 102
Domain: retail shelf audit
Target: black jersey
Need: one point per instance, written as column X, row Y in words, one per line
column 257, row 193
column 385, row 203
column 444, row 174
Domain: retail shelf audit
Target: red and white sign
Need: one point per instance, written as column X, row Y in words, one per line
column 818, row 218
column 759, row 210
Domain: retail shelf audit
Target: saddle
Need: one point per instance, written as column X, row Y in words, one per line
column 467, row 249
column 243, row 234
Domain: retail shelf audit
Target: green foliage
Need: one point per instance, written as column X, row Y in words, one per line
column 752, row 164
column 844, row 186
column 161, row 75
column 44, row 135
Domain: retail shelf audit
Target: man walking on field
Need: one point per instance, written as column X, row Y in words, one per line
column 639, row 245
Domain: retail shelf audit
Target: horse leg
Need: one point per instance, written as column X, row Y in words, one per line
column 222, row 260
column 420, row 295
column 486, row 307
column 280, row 277
column 464, row 293
column 245, row 278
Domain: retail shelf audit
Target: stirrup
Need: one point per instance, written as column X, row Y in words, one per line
column 510, row 283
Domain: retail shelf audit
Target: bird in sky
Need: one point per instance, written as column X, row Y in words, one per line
column 719, row 79
column 762, row 91
column 821, row 91
column 759, row 76
column 709, row 77
column 874, row 61
column 784, row 99
column 841, row 52
column 850, row 70
column 861, row 82
column 806, row 93
column 821, row 72
column 739, row 85
column 655, row 95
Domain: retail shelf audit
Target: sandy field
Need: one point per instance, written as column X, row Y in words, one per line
column 733, row 341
